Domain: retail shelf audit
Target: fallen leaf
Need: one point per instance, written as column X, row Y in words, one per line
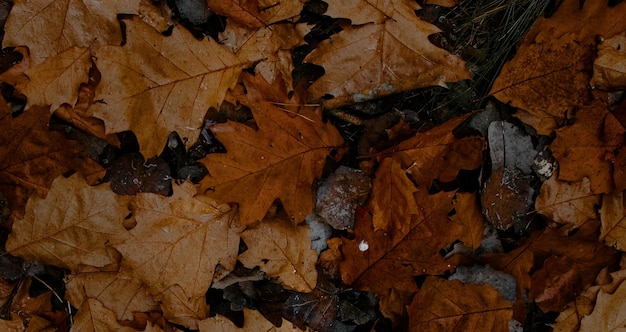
column 340, row 194
column 56, row 81
column 394, row 256
column 182, row 308
column 253, row 321
column 375, row 60
column 282, row 250
column 613, row 216
column 74, row 225
column 275, row 11
column 31, row 156
column 276, row 42
column 183, row 225
column 589, row 147
column 469, row 215
column 244, row 12
column 609, row 68
column 416, row 161
column 608, row 312
column 555, row 278
column 443, row 305
column 391, row 200
column 123, row 296
column 280, row 160
column 49, row 27
column 368, row 11
column 15, row 324
column 586, row 255
column 542, row 82
column 570, row 203
column 156, row 84
column 93, row 316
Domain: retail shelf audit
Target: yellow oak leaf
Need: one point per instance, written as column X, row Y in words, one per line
column 157, row 84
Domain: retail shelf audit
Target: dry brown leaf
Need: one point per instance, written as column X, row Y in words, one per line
column 609, row 68
column 609, row 312
column 256, row 13
column 280, row 160
column 418, row 160
column 123, row 296
column 590, row 147
column 377, row 260
column 443, row 305
column 179, row 240
column 253, row 322
column 275, row 11
column 391, row 199
column 74, row 225
column 586, row 256
column 469, row 215
column 181, row 307
column 369, row 11
column 156, row 84
column 267, row 49
column 570, row 203
column 569, row 319
column 93, row 316
column 613, row 217
column 375, row 60
column 282, row 250
column 541, row 81
column 49, row 27
column 15, row 324
column 56, row 81
column 31, row 156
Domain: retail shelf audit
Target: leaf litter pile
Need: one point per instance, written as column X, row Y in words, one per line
column 301, row 165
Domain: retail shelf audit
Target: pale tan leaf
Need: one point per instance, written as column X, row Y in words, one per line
column 56, row 80
column 609, row 312
column 49, row 27
column 180, row 307
column 93, row 316
column 374, row 60
column 120, row 294
column 282, row 250
column 179, row 240
column 609, row 68
column 253, row 321
column 571, row 203
column 613, row 217
column 73, row 226
column 156, row 84
column 274, row 11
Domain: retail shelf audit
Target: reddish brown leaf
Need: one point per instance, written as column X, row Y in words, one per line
column 443, row 305
column 557, row 84
column 589, row 147
column 280, row 160
column 31, row 156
